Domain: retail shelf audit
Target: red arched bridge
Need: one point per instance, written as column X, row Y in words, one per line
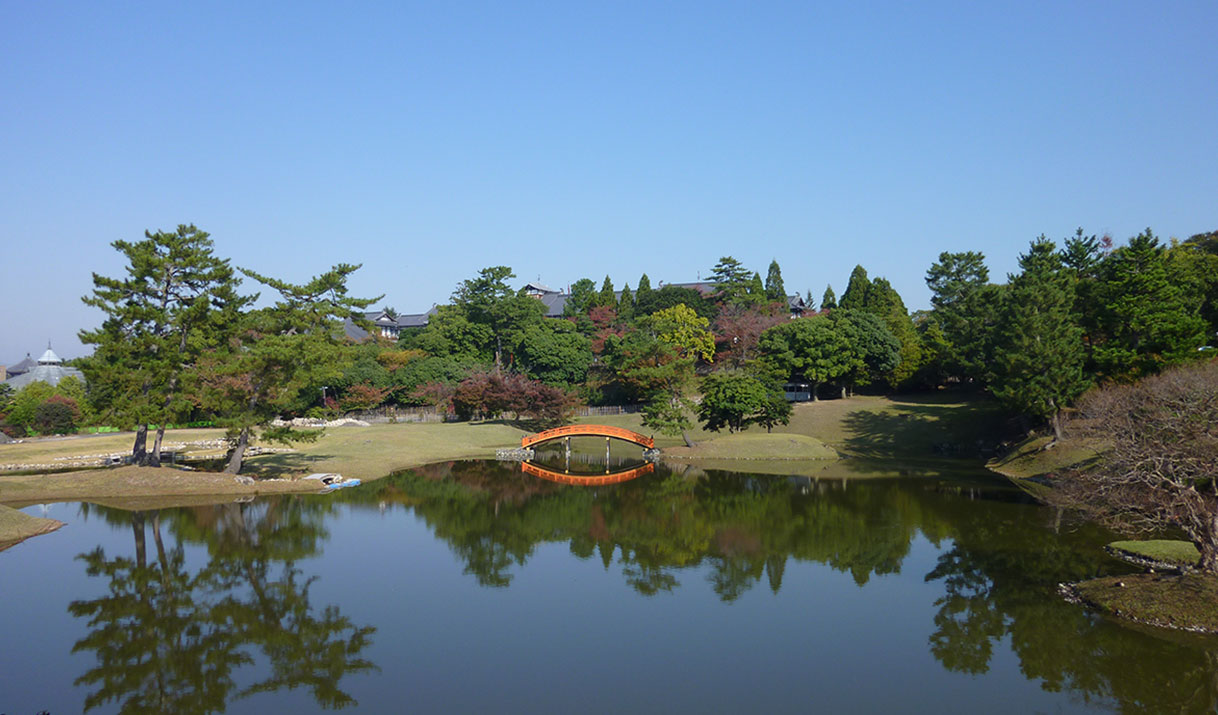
column 588, row 431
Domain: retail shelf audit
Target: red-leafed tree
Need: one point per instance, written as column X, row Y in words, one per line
column 738, row 330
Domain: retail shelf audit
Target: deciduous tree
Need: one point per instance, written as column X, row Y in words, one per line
column 1158, row 462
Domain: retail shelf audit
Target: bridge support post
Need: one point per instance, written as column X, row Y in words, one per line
column 607, row 454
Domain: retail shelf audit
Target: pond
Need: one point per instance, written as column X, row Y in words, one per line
column 473, row 586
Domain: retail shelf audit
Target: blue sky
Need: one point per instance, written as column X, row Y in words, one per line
column 428, row 140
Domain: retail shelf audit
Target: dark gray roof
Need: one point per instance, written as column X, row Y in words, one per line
column 24, row 366
column 381, row 319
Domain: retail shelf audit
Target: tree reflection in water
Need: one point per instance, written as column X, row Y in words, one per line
column 167, row 639
column 1000, row 562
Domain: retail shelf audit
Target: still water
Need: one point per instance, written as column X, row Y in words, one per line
column 472, row 587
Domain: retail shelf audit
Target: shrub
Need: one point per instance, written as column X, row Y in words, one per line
column 56, row 415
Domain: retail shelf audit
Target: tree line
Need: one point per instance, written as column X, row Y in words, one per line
column 181, row 342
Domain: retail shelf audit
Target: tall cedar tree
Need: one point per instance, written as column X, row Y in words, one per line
column 177, row 300
column 1040, row 355
column 855, row 297
column 828, row 301
column 643, row 294
column 774, row 289
column 884, row 302
column 607, row 298
column 488, row 300
column 1148, row 321
column 296, row 343
column 625, row 304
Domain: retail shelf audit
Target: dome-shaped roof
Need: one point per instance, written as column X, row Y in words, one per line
column 49, row 358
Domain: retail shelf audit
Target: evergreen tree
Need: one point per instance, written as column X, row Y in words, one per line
column 733, row 284
column 774, row 289
column 607, row 298
column 279, row 350
column 1082, row 257
column 885, row 303
column 756, row 290
column 1040, row 355
column 177, row 300
column 642, row 296
column 729, row 272
column 1149, row 323
column 855, row 297
column 828, row 301
column 583, row 295
column 967, row 310
column 625, row 304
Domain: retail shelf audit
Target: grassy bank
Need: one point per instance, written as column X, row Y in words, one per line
column 1184, row 602
column 1035, row 458
column 16, row 526
column 1157, row 553
column 755, row 445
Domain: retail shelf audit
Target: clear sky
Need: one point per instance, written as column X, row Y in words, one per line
column 428, row 140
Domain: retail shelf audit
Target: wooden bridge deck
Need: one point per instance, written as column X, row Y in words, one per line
column 588, row 431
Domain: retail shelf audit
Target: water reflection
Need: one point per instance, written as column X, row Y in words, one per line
column 1000, row 559
column 170, row 638
column 586, row 480
column 210, row 605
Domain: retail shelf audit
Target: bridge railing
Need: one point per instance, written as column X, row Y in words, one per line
column 588, row 431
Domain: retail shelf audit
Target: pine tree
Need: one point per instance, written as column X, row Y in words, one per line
column 1148, row 321
column 177, row 300
column 1040, row 354
column 278, row 351
column 756, row 290
column 829, row 300
column 855, row 297
column 774, row 289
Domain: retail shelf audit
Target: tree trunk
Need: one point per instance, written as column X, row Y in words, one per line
column 139, row 453
column 815, row 397
column 688, row 442
column 235, row 459
column 1057, row 425
column 154, row 457
column 843, row 392
column 1207, row 544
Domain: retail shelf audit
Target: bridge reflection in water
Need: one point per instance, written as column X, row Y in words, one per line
column 586, row 480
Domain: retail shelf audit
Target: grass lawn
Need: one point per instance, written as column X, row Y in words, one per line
column 1160, row 551
column 47, row 450
column 902, row 426
column 1031, row 459
column 1188, row 601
